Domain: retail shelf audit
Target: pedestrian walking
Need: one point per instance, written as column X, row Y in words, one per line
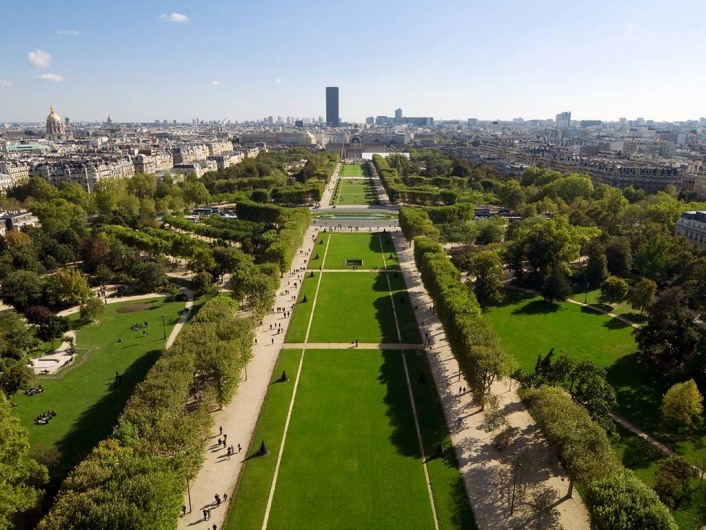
column 225, row 438
column 220, row 429
column 183, row 510
column 273, row 341
column 218, row 499
column 219, row 443
column 239, row 448
column 225, row 497
column 205, row 515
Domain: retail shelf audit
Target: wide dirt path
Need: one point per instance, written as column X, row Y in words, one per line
column 488, row 472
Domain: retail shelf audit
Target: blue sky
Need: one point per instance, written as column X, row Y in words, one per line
column 141, row 60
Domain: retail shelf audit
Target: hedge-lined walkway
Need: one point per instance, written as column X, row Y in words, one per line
column 489, row 473
column 219, row 473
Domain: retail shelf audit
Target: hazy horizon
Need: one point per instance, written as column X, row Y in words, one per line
column 179, row 60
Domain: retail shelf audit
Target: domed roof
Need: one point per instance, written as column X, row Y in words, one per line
column 53, row 116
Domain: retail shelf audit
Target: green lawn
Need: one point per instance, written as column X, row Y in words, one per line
column 254, row 484
column 528, row 326
column 85, row 404
column 365, row 246
column 354, row 170
column 368, row 456
column 357, row 305
column 355, row 191
column 623, row 308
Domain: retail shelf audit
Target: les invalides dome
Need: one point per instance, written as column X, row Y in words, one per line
column 56, row 130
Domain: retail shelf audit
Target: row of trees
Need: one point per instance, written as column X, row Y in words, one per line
column 136, row 478
column 615, row 497
column 472, row 340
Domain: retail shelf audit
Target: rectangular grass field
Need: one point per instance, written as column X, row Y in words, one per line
column 366, row 246
column 354, row 170
column 351, row 458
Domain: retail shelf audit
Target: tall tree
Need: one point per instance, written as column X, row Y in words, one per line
column 643, row 294
column 487, row 271
column 670, row 337
column 67, row 288
column 20, row 476
column 682, row 405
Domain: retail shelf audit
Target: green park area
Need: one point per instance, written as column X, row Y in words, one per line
column 354, row 170
column 85, row 396
column 351, row 458
column 529, row 326
column 355, row 191
column 375, row 250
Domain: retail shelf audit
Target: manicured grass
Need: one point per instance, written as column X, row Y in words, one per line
column 253, row 489
column 360, row 469
column 354, row 170
column 528, row 326
column 623, row 308
column 450, row 497
column 296, row 332
column 365, row 246
column 354, row 306
column 355, row 192
column 86, row 405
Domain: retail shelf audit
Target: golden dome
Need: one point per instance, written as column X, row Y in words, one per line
column 53, row 116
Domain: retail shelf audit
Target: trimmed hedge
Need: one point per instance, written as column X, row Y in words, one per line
column 472, row 340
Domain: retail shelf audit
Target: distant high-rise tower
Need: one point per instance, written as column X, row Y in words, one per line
column 563, row 120
column 398, row 114
column 332, row 117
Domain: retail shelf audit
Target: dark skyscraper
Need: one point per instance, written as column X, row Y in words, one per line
column 332, row 117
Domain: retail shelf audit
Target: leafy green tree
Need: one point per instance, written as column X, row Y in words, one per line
column 621, row 501
column 682, row 405
column 597, row 264
column 17, row 339
column 556, row 287
column 589, row 386
column 200, row 282
column 53, row 328
column 67, row 288
column 643, row 294
column 22, row 289
column 487, row 271
column 92, row 309
column 673, row 478
column 149, row 277
column 17, row 376
column 614, row 289
column 21, row 477
column 670, row 337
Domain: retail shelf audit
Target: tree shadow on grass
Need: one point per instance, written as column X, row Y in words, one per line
column 638, row 453
column 616, row 323
column 537, row 307
column 431, row 423
column 97, row 422
column 639, row 388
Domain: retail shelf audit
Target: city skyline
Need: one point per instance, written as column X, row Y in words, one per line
column 178, row 60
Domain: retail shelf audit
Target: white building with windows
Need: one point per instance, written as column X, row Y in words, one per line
column 692, row 225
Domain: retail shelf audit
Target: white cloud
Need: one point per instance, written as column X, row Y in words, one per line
column 67, row 32
column 174, row 17
column 278, row 80
column 215, row 83
column 4, row 83
column 54, row 78
column 39, row 58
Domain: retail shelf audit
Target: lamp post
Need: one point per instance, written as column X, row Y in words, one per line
column 164, row 328
column 518, row 466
